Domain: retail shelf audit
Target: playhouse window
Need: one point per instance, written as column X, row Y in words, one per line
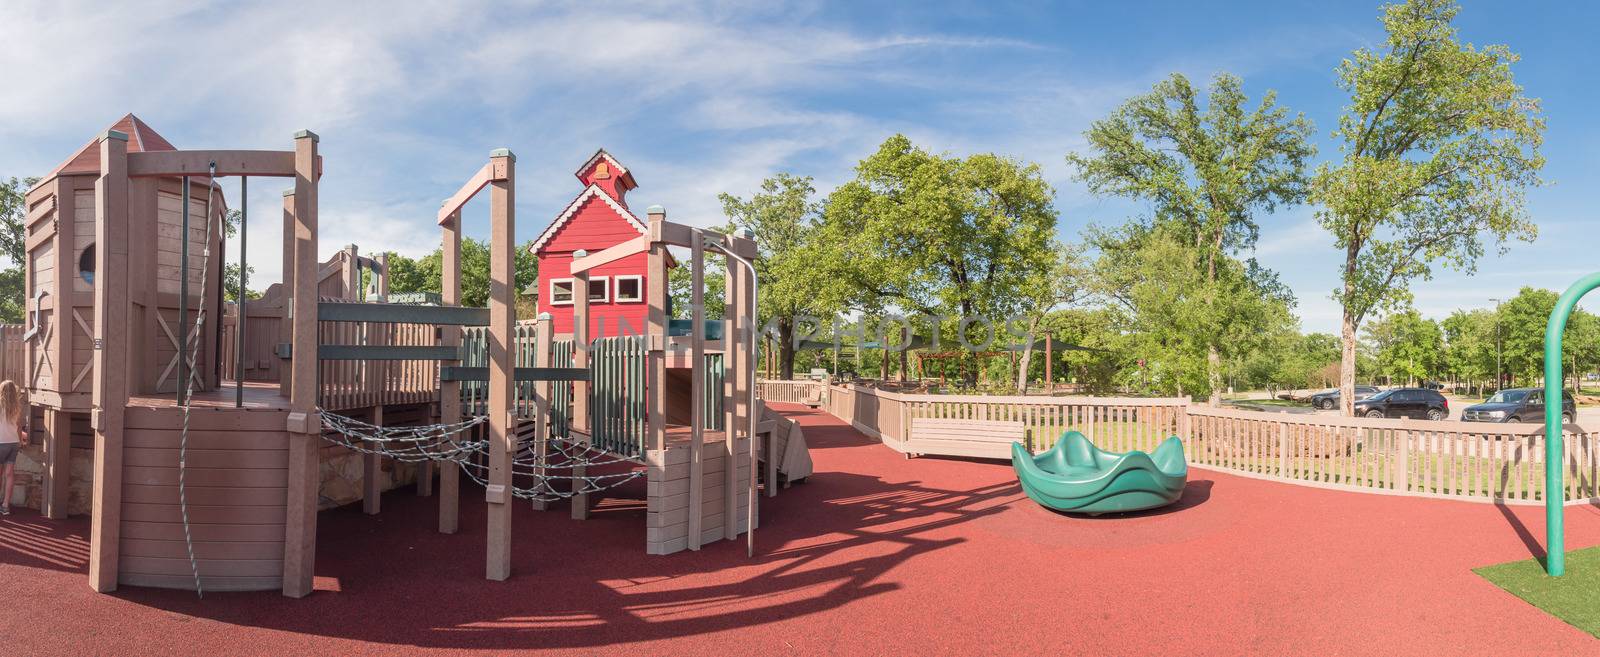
column 600, row 289
column 630, row 289
column 561, row 292
column 86, row 264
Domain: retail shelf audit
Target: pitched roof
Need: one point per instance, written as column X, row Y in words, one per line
column 141, row 139
column 622, row 171
column 593, row 191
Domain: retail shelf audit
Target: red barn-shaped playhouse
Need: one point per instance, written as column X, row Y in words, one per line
column 597, row 219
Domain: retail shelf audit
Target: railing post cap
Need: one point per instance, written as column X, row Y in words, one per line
column 288, row 192
column 545, row 316
column 580, row 253
column 745, row 233
column 654, row 210
column 503, row 152
column 116, row 134
column 307, row 134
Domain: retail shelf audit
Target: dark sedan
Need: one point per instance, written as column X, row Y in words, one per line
column 1518, row 405
column 1329, row 399
column 1419, row 403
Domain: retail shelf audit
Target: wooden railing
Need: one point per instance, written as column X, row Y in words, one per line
column 355, row 384
column 13, row 354
column 1457, row 460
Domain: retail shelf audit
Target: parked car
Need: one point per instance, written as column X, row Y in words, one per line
column 1329, row 399
column 1518, row 405
column 1420, row 403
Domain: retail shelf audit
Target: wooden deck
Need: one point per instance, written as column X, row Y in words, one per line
column 258, row 396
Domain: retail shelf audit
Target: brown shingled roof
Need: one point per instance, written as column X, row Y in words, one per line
column 141, row 138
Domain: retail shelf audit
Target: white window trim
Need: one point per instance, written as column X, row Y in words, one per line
column 630, row 277
column 553, row 300
column 605, row 287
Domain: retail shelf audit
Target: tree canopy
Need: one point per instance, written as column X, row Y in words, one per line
column 1437, row 145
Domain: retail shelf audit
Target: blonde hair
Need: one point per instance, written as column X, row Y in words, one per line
column 11, row 400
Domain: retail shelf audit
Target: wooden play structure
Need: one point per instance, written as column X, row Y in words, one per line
column 207, row 473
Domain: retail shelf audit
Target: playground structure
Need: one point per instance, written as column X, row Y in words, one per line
column 207, row 475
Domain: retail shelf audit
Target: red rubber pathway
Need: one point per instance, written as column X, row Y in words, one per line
column 875, row 555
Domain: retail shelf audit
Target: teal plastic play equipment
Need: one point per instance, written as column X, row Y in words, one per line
column 1555, row 562
column 1078, row 477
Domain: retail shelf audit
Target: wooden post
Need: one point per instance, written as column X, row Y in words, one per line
column 1402, row 460
column 656, row 327
column 57, row 462
column 697, row 391
column 59, row 344
column 286, row 323
column 450, row 391
column 372, row 471
column 1283, row 449
column 1049, row 363
column 110, row 392
column 733, row 359
column 580, row 389
column 543, row 339
column 502, row 350
column 350, row 271
column 304, row 426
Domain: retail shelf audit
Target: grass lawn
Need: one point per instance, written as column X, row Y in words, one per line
column 1573, row 597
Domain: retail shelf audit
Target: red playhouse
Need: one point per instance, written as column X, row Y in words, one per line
column 597, row 219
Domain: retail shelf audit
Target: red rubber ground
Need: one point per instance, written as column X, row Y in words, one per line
column 875, row 555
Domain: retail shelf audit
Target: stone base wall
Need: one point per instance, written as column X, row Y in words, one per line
column 341, row 476
column 28, row 486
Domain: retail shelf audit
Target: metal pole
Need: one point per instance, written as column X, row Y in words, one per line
column 1555, row 562
column 183, row 296
column 244, row 282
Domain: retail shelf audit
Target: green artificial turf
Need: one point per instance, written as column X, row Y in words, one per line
column 1573, row 597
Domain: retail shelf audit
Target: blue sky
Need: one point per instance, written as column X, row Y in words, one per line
column 704, row 98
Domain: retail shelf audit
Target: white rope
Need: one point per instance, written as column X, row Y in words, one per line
column 195, row 339
column 439, row 442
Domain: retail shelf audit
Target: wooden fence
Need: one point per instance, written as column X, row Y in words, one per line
column 360, row 383
column 1451, row 459
column 13, row 354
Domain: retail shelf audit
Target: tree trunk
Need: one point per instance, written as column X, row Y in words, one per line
column 1027, row 358
column 905, row 352
column 786, row 348
column 1347, row 365
column 1214, row 374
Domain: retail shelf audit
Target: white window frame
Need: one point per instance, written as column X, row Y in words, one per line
column 617, row 294
column 570, row 293
column 605, row 289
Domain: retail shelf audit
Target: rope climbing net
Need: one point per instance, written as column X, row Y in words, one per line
column 545, row 462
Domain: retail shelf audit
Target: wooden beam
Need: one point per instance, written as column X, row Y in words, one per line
column 732, row 360
column 110, row 392
column 59, row 344
column 334, row 311
column 452, row 205
column 275, row 164
column 502, row 352
column 286, row 325
column 300, row 530
column 580, row 389
column 450, row 391
column 57, row 462
column 372, row 471
column 634, row 246
column 543, row 339
column 697, row 394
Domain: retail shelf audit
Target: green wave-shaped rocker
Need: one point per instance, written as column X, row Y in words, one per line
column 1078, row 477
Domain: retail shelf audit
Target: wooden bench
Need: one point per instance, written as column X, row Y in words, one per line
column 977, row 438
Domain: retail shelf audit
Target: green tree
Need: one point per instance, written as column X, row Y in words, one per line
column 13, row 244
column 426, row 274
column 783, row 218
column 1469, row 339
column 1408, row 347
column 680, row 284
column 1206, row 172
column 919, row 232
column 230, row 270
column 1438, row 144
column 1146, row 273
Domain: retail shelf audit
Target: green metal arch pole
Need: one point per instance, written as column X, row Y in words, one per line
column 1554, row 459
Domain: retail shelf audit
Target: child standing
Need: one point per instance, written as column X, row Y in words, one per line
column 12, row 436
